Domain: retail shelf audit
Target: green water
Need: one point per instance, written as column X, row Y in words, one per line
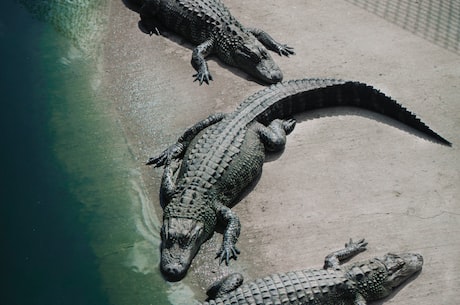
column 76, row 227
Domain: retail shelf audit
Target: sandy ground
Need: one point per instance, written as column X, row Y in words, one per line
column 344, row 173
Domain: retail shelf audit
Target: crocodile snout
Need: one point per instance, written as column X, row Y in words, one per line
column 173, row 272
column 267, row 71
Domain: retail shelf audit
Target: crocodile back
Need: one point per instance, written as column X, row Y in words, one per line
column 326, row 287
column 196, row 20
column 220, row 163
column 218, row 148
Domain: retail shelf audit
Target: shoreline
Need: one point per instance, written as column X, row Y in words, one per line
column 340, row 176
column 135, row 106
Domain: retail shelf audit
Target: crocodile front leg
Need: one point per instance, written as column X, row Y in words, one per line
column 168, row 184
column 147, row 12
column 177, row 150
column 228, row 249
column 334, row 260
column 270, row 43
column 351, row 249
column 199, row 62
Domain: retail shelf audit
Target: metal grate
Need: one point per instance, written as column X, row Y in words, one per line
column 437, row 21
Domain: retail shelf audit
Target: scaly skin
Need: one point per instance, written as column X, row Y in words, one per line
column 353, row 284
column 209, row 25
column 222, row 155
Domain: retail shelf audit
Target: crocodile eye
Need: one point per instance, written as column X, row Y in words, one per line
column 244, row 54
column 399, row 264
column 167, row 243
column 183, row 241
column 263, row 54
column 163, row 233
column 395, row 264
column 250, row 55
column 256, row 57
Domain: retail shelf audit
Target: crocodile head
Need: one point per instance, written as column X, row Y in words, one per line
column 254, row 59
column 381, row 276
column 188, row 221
column 181, row 240
column 400, row 268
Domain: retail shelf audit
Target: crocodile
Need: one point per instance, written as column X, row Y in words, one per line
column 210, row 25
column 211, row 165
column 352, row 284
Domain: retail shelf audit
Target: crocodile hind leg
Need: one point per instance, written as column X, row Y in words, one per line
column 351, row 249
column 270, row 43
column 273, row 136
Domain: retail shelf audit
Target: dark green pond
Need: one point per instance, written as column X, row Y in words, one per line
column 75, row 225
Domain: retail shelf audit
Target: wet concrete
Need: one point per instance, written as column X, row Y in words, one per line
column 343, row 173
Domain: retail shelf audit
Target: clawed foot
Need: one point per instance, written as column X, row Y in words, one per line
column 149, row 27
column 288, row 125
column 167, row 155
column 285, row 50
column 226, row 253
column 155, row 31
column 203, row 76
column 356, row 247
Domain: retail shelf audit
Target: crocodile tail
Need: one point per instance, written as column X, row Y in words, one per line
column 286, row 99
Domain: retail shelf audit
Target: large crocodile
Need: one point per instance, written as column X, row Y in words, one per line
column 223, row 154
column 352, row 284
column 210, row 25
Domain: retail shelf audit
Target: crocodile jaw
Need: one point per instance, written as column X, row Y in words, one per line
column 181, row 240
